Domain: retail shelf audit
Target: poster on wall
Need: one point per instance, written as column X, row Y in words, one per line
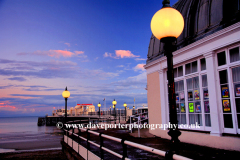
column 205, row 94
column 182, row 107
column 191, row 107
column 177, row 97
column 206, row 107
column 226, row 105
column 197, row 107
column 225, row 92
column 181, row 95
column 190, row 96
column 237, row 90
column 196, row 95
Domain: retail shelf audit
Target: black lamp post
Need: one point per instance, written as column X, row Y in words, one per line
column 110, row 110
column 99, row 106
column 114, row 106
column 166, row 25
column 65, row 95
column 125, row 105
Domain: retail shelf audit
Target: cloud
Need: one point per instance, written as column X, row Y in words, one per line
column 49, row 69
column 68, row 44
column 54, row 53
column 120, row 66
column 6, row 105
column 106, row 54
column 140, row 59
column 139, row 67
column 120, row 54
column 79, row 52
column 20, row 79
column 124, row 54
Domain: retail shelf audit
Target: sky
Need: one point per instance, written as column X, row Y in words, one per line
column 97, row 48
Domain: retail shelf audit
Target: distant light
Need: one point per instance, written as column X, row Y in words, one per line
column 125, row 105
column 167, row 22
column 99, row 105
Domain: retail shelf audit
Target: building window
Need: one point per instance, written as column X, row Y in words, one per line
column 178, row 72
column 191, row 67
column 203, row 64
column 206, row 101
column 236, row 84
column 194, row 103
column 234, row 54
column 221, row 58
column 180, row 102
column 225, row 96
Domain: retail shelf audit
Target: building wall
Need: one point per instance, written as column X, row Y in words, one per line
column 207, row 48
column 154, row 103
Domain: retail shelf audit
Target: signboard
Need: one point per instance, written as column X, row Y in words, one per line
column 190, row 96
column 205, row 94
column 206, row 107
column 183, row 108
column 196, row 95
column 225, row 92
column 197, row 107
column 237, row 90
column 226, row 105
column 191, row 107
column 181, row 95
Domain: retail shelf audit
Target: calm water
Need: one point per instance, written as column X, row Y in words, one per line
column 23, row 133
column 24, row 124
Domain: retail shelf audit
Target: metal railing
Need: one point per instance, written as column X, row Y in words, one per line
column 80, row 149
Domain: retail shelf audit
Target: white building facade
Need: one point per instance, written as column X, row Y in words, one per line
column 207, row 86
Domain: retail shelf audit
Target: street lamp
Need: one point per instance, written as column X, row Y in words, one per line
column 65, row 95
column 125, row 105
column 110, row 110
column 167, row 24
column 99, row 106
column 114, row 105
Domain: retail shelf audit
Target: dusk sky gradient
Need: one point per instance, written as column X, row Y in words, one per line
column 97, row 48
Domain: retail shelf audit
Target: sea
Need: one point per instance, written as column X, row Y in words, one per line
column 23, row 134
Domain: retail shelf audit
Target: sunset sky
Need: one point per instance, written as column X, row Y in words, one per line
column 97, row 48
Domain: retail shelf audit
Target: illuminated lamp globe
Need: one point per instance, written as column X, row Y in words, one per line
column 167, row 22
column 66, row 93
column 99, row 105
column 114, row 102
column 125, row 105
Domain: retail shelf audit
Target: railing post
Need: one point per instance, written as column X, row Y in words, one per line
column 67, row 136
column 79, row 139
column 88, row 145
column 72, row 136
column 124, row 149
column 101, row 145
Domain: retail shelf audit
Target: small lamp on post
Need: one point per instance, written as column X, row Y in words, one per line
column 114, row 106
column 65, row 95
column 110, row 110
column 125, row 105
column 167, row 24
column 99, row 106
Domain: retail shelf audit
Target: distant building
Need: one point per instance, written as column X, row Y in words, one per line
column 82, row 109
column 79, row 109
column 207, row 75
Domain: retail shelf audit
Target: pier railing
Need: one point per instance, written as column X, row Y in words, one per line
column 74, row 139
